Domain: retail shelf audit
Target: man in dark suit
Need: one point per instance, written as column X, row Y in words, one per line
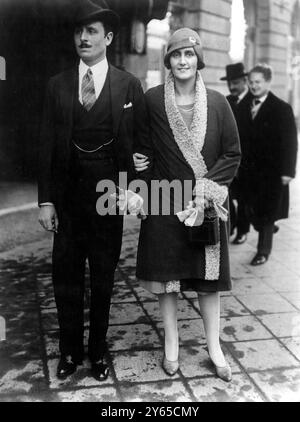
column 94, row 117
column 269, row 138
column 237, row 83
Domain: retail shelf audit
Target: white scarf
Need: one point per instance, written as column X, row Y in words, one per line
column 190, row 143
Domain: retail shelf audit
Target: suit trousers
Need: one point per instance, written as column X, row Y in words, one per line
column 82, row 236
column 265, row 239
column 238, row 215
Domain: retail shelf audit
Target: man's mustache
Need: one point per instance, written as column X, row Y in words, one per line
column 84, row 45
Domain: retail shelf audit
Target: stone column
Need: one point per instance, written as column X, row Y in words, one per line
column 273, row 25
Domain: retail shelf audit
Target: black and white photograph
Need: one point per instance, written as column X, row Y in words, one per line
column 149, row 203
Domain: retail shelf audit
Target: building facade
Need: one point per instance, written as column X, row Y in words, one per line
column 272, row 36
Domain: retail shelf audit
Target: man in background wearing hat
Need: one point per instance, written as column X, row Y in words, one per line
column 269, row 139
column 94, row 116
column 236, row 78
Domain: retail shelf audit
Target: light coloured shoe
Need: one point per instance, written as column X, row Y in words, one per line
column 170, row 366
column 223, row 372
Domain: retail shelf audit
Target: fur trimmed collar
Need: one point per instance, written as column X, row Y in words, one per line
column 190, row 142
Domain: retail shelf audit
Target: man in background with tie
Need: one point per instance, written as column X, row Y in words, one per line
column 237, row 83
column 94, row 117
column 269, row 138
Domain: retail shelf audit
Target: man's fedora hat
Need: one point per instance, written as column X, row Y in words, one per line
column 234, row 71
column 88, row 12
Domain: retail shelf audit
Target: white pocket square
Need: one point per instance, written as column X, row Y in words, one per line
column 128, row 105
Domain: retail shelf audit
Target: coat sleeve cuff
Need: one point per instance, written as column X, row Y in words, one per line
column 215, row 192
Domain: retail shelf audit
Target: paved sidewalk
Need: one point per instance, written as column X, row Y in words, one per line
column 260, row 332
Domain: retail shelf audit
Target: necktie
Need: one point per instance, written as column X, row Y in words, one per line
column 88, row 90
column 254, row 108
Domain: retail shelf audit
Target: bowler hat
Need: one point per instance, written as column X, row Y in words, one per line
column 234, row 71
column 184, row 38
column 88, row 12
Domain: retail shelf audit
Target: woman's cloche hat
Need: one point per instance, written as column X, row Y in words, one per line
column 184, row 38
column 88, row 12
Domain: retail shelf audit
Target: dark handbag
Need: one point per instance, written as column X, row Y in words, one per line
column 206, row 234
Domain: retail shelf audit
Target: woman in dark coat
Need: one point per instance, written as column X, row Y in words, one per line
column 194, row 138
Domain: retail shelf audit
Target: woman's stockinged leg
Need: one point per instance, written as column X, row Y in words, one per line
column 210, row 311
column 168, row 309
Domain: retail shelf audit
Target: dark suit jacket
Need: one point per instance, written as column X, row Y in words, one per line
column 237, row 184
column 130, row 129
column 235, row 106
column 269, row 146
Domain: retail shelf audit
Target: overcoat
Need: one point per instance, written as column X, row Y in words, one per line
column 164, row 251
column 237, row 189
column 269, row 151
column 130, row 129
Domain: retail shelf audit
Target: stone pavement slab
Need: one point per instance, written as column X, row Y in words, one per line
column 132, row 336
column 293, row 344
column 266, row 303
column 139, row 365
column 282, row 284
column 122, row 294
column 293, row 298
column 262, row 354
column 90, row 395
column 273, row 267
column 282, row 325
column 242, row 328
column 240, row 389
column 21, row 376
column 26, row 346
column 122, row 313
column 250, row 285
column 231, row 307
column 162, row 391
column 279, row 386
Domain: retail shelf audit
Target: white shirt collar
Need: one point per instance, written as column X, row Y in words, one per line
column 99, row 71
column 263, row 98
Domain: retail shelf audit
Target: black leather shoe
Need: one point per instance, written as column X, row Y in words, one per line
column 66, row 367
column 100, row 370
column 239, row 239
column 259, row 259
